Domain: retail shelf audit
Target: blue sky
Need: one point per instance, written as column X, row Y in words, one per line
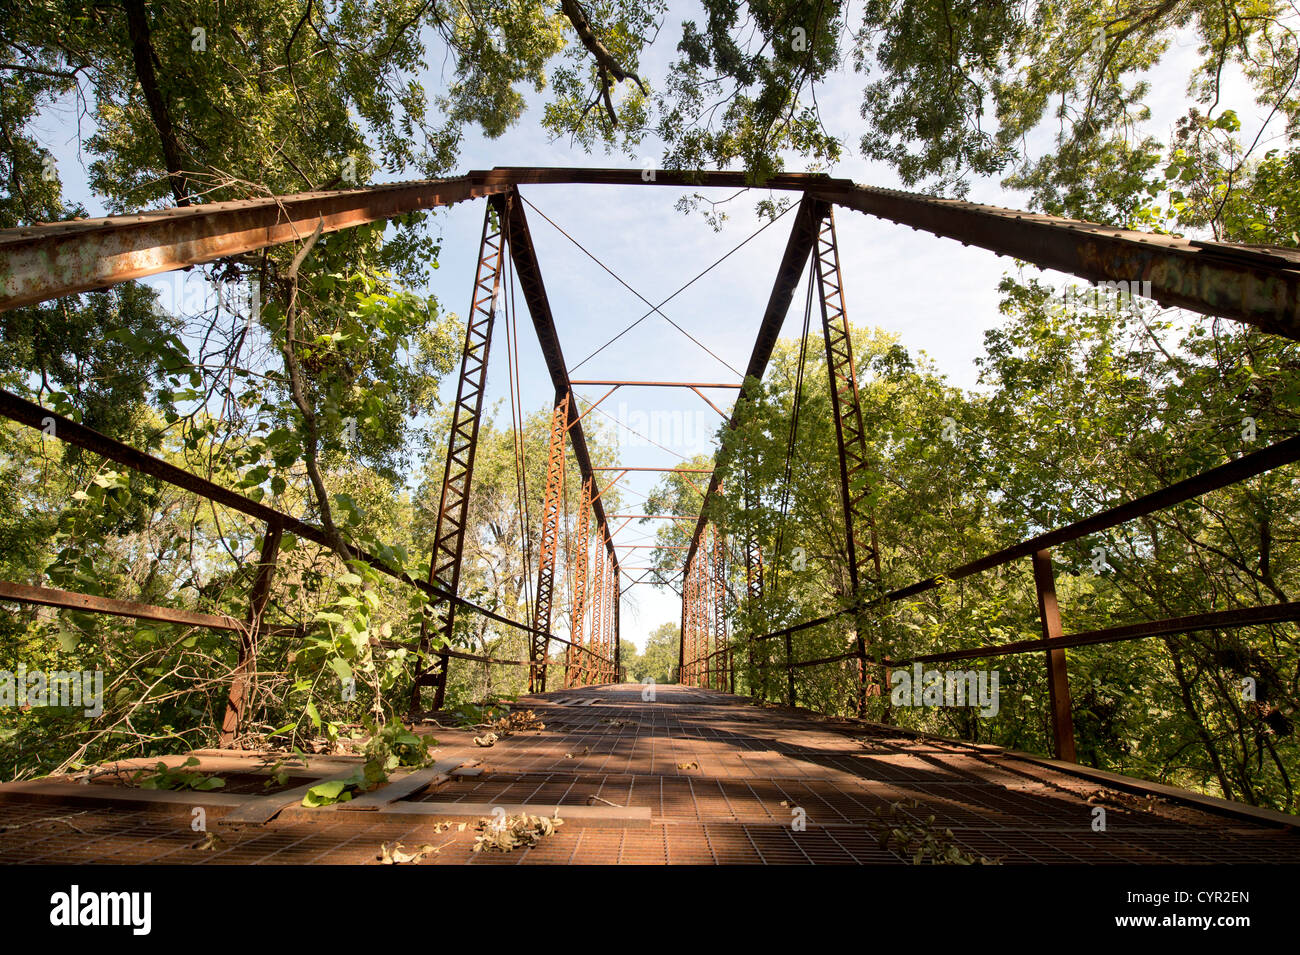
column 935, row 295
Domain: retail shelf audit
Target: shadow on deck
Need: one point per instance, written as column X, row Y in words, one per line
column 691, row 776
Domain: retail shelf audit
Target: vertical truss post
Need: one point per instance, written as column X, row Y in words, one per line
column 453, row 508
column 617, row 597
column 704, row 609
column 258, row 595
column 681, row 630
column 576, row 670
column 726, row 678
column 611, row 623
column 683, row 645
column 611, row 641
column 608, row 661
column 712, row 646
column 859, row 523
column 539, row 647
column 699, row 638
column 1058, row 677
column 689, row 650
column 754, row 595
column 597, row 642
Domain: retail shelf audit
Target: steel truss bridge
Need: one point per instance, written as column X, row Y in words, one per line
column 1256, row 286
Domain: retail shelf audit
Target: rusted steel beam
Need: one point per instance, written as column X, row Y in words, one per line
column 686, row 647
column 529, row 271
column 1254, row 285
column 611, row 628
column 549, row 547
column 1235, row 471
column 685, row 178
column 791, row 665
column 618, row 383
column 753, row 590
column 576, row 670
column 653, row 546
column 476, row 658
column 89, row 603
column 659, row 517
column 47, row 261
column 458, row 469
column 720, row 610
column 70, row 432
column 597, row 642
column 618, row 633
column 851, row 442
column 675, row 470
column 1058, row 676
column 1215, row 620
column 258, row 596
column 692, row 594
column 705, row 398
column 595, row 404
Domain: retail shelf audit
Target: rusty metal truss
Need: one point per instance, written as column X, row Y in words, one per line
column 1257, row 286
column 458, row 473
column 576, row 669
column 597, row 636
column 722, row 667
column 850, row 434
column 540, row 645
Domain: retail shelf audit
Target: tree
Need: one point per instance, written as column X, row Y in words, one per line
column 659, row 659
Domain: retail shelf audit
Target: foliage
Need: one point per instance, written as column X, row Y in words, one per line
column 165, row 777
column 659, row 659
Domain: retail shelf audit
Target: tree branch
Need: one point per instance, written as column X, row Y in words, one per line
column 607, row 65
column 299, row 395
column 137, row 23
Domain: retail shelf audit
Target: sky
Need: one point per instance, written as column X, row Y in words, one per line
column 937, row 296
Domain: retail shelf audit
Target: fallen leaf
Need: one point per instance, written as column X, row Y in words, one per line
column 209, row 843
column 513, row 832
column 392, row 854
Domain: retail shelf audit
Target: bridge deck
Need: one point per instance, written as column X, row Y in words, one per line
column 690, row 777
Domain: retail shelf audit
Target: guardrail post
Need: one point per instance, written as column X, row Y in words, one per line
column 247, row 663
column 1058, row 677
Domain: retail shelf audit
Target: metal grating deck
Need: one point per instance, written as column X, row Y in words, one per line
column 720, row 779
